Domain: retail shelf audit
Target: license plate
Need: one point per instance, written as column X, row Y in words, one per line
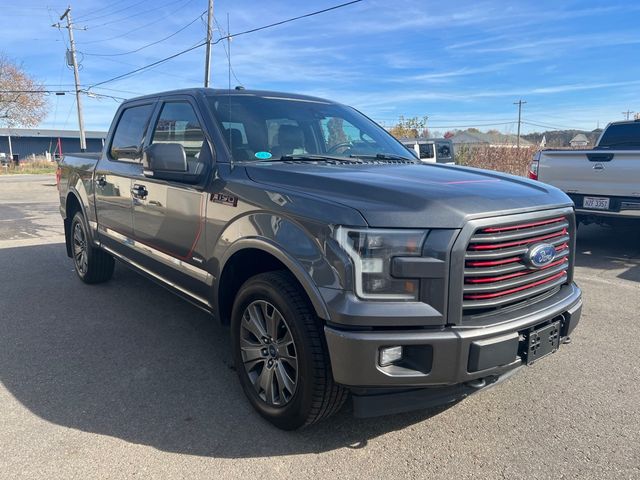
column 597, row 203
column 542, row 342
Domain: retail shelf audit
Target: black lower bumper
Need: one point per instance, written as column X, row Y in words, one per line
column 440, row 365
column 375, row 403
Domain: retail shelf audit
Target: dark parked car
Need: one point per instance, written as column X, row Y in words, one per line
column 341, row 263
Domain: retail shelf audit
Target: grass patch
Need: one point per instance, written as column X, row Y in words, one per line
column 32, row 167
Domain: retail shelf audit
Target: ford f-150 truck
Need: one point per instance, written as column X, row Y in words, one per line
column 342, row 265
column 604, row 183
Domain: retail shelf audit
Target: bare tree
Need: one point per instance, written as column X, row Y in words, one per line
column 22, row 98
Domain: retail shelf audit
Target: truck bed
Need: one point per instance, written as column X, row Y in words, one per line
column 597, row 172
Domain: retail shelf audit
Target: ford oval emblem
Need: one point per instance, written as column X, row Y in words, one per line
column 540, row 255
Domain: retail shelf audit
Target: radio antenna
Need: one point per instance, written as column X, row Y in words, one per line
column 229, row 85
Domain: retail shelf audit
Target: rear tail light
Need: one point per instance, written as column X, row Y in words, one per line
column 58, row 175
column 533, row 169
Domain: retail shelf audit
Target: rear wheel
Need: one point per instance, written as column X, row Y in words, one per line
column 91, row 264
column 280, row 353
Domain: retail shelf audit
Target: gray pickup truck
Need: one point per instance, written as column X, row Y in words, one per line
column 342, row 265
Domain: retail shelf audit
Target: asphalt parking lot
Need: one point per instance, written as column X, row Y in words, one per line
column 124, row 380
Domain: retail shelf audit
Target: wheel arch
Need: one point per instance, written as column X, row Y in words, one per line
column 72, row 205
column 253, row 256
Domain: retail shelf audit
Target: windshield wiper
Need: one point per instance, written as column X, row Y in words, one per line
column 310, row 157
column 383, row 156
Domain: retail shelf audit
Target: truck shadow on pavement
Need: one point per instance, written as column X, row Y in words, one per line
column 130, row 360
column 607, row 249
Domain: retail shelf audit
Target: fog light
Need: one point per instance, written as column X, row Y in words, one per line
column 390, row 355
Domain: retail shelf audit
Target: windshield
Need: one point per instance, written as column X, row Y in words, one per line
column 621, row 136
column 261, row 128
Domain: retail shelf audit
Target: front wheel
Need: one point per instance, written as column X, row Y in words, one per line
column 280, row 353
column 91, row 264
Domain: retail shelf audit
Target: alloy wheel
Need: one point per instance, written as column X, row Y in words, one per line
column 269, row 353
column 80, row 255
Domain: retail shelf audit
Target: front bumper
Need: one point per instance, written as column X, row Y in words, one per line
column 444, row 356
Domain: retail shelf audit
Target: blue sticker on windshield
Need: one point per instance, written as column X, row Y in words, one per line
column 263, row 155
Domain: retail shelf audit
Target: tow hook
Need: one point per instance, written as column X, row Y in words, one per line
column 477, row 383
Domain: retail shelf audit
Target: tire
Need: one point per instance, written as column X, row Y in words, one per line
column 91, row 264
column 291, row 359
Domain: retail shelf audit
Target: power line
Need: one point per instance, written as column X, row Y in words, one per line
column 129, row 64
column 553, row 127
column 148, row 44
column 147, row 25
column 111, row 5
column 118, row 77
column 128, row 17
column 91, row 19
column 231, row 35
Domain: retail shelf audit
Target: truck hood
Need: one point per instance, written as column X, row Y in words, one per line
column 411, row 195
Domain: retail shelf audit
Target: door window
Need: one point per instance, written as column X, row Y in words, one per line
column 178, row 124
column 127, row 139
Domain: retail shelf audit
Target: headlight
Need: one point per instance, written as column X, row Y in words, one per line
column 371, row 251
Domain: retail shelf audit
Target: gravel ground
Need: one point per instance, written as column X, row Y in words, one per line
column 124, row 380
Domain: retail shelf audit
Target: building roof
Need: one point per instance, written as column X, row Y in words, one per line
column 47, row 133
column 579, row 138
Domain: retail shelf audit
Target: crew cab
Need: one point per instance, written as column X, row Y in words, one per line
column 342, row 265
column 604, row 183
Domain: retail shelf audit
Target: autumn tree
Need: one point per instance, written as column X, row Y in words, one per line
column 22, row 98
column 413, row 127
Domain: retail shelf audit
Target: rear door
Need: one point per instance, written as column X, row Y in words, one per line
column 114, row 173
column 169, row 216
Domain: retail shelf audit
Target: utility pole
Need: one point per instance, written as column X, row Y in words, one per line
column 207, row 58
column 76, row 75
column 519, row 103
column 627, row 114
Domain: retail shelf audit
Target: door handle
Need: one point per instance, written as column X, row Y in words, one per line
column 139, row 191
column 101, row 182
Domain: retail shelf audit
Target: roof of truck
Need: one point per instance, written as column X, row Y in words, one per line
column 234, row 92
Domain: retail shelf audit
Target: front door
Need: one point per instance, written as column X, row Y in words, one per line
column 169, row 216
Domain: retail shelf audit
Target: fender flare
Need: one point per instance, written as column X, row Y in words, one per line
column 67, row 221
column 288, row 261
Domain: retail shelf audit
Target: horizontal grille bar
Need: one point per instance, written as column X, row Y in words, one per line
column 514, row 298
column 518, row 234
column 510, row 252
column 497, row 284
column 497, row 271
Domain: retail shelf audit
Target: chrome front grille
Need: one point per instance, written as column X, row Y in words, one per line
column 497, row 272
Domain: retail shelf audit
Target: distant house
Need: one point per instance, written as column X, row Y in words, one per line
column 579, row 141
column 490, row 139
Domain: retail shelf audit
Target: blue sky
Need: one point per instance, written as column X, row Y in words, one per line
column 462, row 63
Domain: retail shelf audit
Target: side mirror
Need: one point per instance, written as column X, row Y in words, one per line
column 166, row 157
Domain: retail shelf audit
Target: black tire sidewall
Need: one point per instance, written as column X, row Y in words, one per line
column 295, row 413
